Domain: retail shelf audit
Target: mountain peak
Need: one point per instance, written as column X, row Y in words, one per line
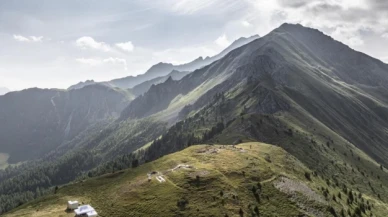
column 291, row 25
column 169, row 79
column 244, row 40
column 298, row 29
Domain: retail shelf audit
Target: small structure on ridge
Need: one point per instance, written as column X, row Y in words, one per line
column 86, row 210
column 72, row 205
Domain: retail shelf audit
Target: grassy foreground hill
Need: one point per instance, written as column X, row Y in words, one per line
column 250, row 179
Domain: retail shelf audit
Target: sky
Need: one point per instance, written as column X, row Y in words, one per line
column 54, row 44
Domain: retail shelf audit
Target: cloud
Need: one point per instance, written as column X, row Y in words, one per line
column 348, row 35
column 190, row 6
column 89, row 61
column 28, row 39
column 246, row 23
column 293, row 3
column 118, row 61
column 384, row 59
column 36, row 38
column 385, row 35
column 99, row 61
column 184, row 54
column 87, row 42
column 222, row 41
column 126, row 46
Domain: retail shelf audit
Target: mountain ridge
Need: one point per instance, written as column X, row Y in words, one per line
column 163, row 69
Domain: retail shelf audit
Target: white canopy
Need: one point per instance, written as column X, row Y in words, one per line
column 83, row 209
column 92, row 213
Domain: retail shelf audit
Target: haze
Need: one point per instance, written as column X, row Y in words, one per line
column 54, row 44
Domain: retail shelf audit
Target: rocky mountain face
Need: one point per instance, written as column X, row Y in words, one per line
column 35, row 121
column 145, row 86
column 297, row 67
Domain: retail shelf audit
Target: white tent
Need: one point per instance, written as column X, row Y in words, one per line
column 84, row 210
column 92, row 214
column 72, row 204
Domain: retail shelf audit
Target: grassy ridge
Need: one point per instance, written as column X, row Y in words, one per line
column 226, row 178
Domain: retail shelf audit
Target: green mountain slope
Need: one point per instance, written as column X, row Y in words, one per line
column 259, row 179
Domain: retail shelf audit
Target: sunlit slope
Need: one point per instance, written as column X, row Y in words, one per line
column 218, row 181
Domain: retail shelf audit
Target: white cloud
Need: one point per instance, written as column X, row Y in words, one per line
column 222, row 41
column 115, row 60
column 20, row 38
column 36, row 38
column 385, row 35
column 28, row 39
column 126, row 46
column 98, row 61
column 348, row 35
column 89, row 61
column 246, row 23
column 87, row 42
column 190, row 6
column 184, row 54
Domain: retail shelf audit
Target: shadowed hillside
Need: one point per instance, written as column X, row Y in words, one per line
column 36, row 121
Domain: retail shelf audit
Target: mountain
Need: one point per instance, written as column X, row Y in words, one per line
column 3, row 90
column 292, row 65
column 320, row 107
column 163, row 69
column 236, row 44
column 145, row 86
column 81, row 84
column 35, row 121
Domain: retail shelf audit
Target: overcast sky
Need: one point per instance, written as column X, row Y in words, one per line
column 52, row 43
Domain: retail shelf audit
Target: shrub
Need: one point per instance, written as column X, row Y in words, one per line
column 241, row 212
column 307, row 175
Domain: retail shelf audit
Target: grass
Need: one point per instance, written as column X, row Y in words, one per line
column 225, row 183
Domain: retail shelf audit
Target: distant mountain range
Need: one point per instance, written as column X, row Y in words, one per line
column 322, row 105
column 163, row 69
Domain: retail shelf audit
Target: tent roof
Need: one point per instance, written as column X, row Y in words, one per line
column 83, row 209
column 92, row 213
